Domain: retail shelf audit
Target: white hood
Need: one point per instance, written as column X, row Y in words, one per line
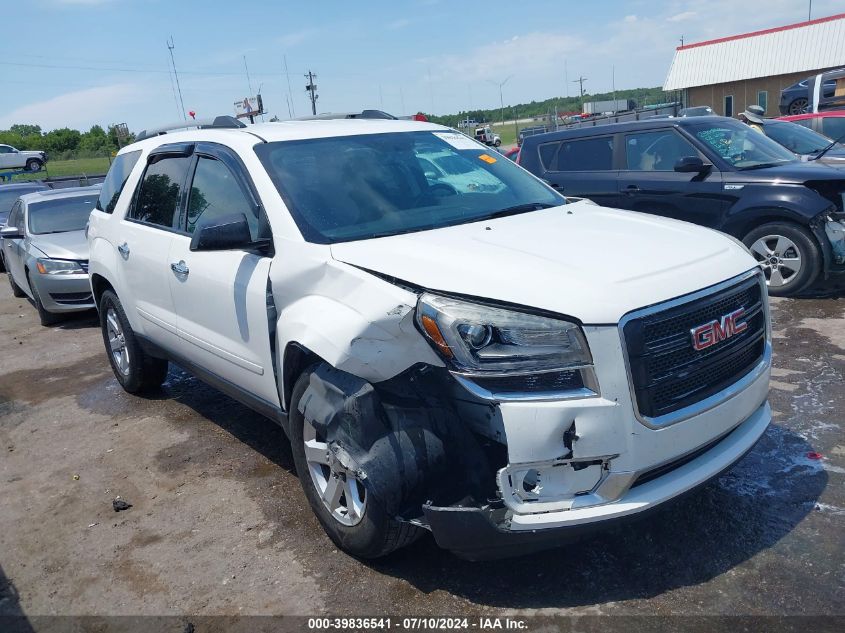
column 592, row 263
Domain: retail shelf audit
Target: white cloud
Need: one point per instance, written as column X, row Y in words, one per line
column 292, row 40
column 683, row 16
column 631, row 18
column 527, row 55
column 80, row 109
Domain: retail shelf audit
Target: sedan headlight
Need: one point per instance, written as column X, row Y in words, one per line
column 47, row 266
column 506, row 350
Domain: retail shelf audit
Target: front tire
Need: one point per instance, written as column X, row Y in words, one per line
column 46, row 318
column 16, row 289
column 33, row 164
column 788, row 254
column 353, row 519
column 135, row 370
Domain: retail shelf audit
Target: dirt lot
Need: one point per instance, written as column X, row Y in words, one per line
column 219, row 524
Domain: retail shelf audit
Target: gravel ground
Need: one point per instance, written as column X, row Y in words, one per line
column 219, row 525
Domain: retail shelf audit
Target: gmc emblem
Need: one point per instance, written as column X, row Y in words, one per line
column 716, row 331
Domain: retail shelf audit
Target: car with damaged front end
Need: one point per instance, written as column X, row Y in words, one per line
column 500, row 366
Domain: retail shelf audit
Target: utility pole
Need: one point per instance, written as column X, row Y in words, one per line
column 810, row 11
column 580, row 81
column 170, row 47
column 682, row 40
column 311, row 89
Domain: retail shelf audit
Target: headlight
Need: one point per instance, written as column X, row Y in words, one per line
column 58, row 267
column 483, row 340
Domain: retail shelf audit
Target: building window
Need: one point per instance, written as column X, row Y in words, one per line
column 729, row 105
column 763, row 100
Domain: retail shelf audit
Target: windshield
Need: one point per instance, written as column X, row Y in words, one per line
column 741, row 146
column 358, row 187
column 796, row 138
column 60, row 215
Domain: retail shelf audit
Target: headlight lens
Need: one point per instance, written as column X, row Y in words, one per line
column 478, row 339
column 58, row 267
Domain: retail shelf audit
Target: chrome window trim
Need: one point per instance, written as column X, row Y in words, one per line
column 716, row 399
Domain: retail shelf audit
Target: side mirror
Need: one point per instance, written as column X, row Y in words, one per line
column 225, row 233
column 692, row 165
column 11, row 233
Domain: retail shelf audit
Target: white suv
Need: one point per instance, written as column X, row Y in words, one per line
column 500, row 366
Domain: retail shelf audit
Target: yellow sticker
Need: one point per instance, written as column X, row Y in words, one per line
column 487, row 158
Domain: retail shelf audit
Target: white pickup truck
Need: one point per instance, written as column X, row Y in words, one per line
column 500, row 366
column 11, row 158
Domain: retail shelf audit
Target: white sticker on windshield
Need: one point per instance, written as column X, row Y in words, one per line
column 458, row 140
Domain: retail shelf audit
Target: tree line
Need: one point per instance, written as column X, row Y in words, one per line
column 536, row 109
column 63, row 143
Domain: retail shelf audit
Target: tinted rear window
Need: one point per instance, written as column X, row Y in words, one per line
column 589, row 154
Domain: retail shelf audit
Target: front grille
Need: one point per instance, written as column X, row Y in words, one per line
column 668, row 374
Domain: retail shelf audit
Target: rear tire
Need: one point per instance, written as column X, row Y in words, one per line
column 798, row 106
column 135, row 370
column 46, row 318
column 788, row 254
column 371, row 534
column 16, row 289
column 33, row 164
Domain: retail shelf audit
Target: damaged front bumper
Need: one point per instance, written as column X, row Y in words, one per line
column 480, row 533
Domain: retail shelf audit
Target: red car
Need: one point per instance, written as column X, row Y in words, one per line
column 512, row 153
column 830, row 123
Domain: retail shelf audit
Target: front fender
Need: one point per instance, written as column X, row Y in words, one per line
column 767, row 203
column 371, row 347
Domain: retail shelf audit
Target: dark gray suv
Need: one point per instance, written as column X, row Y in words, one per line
column 712, row 171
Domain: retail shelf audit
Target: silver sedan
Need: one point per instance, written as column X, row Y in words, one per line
column 46, row 252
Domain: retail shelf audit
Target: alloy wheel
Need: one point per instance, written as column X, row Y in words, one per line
column 798, row 106
column 339, row 488
column 117, row 342
column 779, row 258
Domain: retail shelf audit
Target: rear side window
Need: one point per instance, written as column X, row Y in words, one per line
column 158, row 196
column 589, row 154
column 547, row 155
column 656, row 151
column 834, row 127
column 115, row 180
column 214, row 193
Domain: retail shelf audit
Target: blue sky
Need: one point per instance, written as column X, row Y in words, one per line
column 80, row 62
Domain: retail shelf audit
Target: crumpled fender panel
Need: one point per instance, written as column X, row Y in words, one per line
column 402, row 437
column 351, row 319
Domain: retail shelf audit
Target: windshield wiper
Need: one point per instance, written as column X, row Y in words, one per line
column 762, row 165
column 828, row 148
column 517, row 209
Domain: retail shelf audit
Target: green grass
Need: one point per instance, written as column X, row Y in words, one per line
column 76, row 167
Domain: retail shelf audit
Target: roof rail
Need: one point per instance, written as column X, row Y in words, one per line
column 218, row 122
column 363, row 114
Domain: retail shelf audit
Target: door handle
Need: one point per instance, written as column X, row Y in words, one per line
column 180, row 268
column 123, row 249
column 631, row 189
